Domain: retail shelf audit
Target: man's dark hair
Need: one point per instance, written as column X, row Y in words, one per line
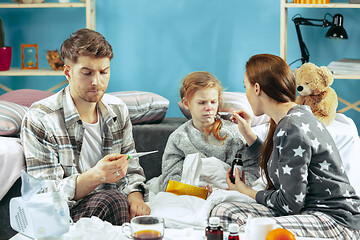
column 85, row 42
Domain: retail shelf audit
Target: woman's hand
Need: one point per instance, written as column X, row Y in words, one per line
column 243, row 120
column 239, row 185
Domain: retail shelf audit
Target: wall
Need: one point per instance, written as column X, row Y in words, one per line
column 157, row 42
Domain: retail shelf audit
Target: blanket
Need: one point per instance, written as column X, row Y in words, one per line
column 189, row 211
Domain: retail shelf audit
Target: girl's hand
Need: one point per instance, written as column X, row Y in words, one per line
column 209, row 188
column 239, row 185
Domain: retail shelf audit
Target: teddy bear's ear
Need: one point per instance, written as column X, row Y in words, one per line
column 326, row 75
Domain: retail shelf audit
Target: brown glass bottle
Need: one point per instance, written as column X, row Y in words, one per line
column 214, row 231
column 237, row 163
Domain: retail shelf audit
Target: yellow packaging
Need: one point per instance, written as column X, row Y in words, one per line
column 180, row 188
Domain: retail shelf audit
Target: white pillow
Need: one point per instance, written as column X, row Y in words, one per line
column 232, row 101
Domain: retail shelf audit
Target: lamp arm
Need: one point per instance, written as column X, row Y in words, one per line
column 304, row 51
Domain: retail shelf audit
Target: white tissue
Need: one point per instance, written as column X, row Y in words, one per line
column 94, row 228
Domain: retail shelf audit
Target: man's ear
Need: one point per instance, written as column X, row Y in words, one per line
column 186, row 105
column 67, row 72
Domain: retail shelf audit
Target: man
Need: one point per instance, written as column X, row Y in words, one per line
column 81, row 137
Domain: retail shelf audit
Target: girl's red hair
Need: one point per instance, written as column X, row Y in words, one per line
column 199, row 80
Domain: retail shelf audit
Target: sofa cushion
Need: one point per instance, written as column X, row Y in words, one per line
column 11, row 115
column 25, row 97
column 144, row 107
column 232, row 101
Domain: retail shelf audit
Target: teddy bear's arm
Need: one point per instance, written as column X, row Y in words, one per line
column 329, row 102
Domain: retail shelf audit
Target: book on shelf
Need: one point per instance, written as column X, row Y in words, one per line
column 345, row 66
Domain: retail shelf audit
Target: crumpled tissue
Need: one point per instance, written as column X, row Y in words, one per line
column 94, row 228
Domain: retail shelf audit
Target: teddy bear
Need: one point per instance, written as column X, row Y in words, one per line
column 313, row 85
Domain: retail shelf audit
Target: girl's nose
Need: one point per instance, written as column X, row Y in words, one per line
column 208, row 107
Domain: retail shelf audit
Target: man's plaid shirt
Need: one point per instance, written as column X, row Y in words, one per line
column 52, row 135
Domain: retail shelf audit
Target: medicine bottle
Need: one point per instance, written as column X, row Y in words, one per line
column 233, row 231
column 237, row 163
column 214, row 231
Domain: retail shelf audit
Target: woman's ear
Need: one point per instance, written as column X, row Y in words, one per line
column 257, row 89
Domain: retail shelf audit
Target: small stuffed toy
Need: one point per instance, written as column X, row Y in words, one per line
column 54, row 60
column 313, row 84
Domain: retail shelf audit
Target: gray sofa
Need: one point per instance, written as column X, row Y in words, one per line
column 147, row 137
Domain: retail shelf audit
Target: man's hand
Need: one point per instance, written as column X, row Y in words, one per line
column 111, row 168
column 137, row 205
column 239, row 185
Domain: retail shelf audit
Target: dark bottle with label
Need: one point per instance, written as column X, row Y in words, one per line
column 214, row 231
column 237, row 163
column 233, row 231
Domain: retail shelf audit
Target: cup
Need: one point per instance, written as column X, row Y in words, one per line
column 258, row 228
column 144, row 228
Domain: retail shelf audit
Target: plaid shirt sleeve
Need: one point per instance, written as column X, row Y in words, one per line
column 42, row 154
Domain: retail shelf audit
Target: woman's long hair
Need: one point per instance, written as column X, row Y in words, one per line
column 200, row 80
column 277, row 80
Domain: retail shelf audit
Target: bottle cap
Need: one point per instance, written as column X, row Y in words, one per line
column 238, row 155
column 215, row 221
column 233, row 228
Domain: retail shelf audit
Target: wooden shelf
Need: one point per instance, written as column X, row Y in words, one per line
column 347, row 77
column 42, row 5
column 31, row 72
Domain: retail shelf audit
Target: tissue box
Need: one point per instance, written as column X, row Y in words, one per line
column 180, row 188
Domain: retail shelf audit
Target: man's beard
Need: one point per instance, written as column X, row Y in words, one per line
column 91, row 99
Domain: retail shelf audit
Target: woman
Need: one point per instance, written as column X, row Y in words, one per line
column 205, row 133
column 307, row 190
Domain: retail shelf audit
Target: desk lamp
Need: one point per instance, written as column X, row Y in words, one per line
column 336, row 30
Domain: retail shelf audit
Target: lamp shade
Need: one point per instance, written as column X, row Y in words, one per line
column 337, row 30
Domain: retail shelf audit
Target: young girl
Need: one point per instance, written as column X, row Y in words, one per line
column 308, row 191
column 205, row 133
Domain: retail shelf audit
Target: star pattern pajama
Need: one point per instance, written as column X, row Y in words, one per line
column 308, row 176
